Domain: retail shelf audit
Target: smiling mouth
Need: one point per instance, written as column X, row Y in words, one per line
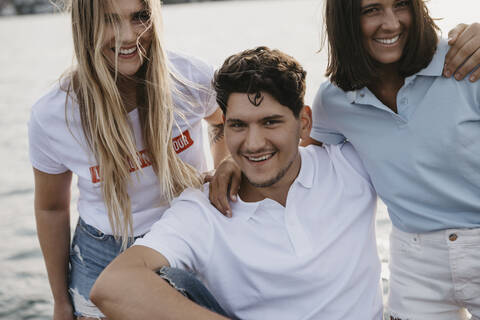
column 388, row 41
column 126, row 52
column 261, row 158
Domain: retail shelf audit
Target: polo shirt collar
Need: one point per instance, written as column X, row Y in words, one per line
column 246, row 210
column 356, row 95
column 434, row 69
column 307, row 169
column 305, row 178
column 352, row 96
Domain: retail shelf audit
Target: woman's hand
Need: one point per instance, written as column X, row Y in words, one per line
column 464, row 55
column 224, row 184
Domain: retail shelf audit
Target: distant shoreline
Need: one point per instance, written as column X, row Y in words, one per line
column 25, row 7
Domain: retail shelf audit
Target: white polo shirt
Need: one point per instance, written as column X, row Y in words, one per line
column 316, row 258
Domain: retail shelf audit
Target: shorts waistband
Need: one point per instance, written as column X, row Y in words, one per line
column 457, row 236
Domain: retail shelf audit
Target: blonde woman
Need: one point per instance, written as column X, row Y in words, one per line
column 122, row 121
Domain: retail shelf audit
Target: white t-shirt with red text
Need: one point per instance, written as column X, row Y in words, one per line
column 57, row 147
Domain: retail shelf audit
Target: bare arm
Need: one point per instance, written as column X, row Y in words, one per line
column 217, row 140
column 464, row 55
column 52, row 213
column 129, row 289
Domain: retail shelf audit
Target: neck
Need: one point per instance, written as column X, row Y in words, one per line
column 388, row 73
column 387, row 86
column 277, row 192
column 128, row 86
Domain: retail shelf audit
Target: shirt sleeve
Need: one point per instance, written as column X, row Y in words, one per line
column 184, row 235
column 322, row 130
column 42, row 155
column 206, row 93
column 198, row 85
column 354, row 160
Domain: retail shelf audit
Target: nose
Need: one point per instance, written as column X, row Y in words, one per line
column 127, row 32
column 390, row 20
column 254, row 140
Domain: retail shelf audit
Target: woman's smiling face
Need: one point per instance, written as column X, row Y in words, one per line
column 128, row 27
column 385, row 26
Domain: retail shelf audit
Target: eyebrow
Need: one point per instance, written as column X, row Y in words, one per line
column 133, row 14
column 369, row 6
column 272, row 117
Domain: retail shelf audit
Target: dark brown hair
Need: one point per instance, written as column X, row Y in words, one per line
column 350, row 66
column 261, row 69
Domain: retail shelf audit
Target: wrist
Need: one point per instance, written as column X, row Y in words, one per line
column 62, row 299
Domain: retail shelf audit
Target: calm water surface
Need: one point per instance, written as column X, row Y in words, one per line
column 37, row 49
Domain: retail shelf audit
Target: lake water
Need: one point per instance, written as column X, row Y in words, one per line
column 37, row 49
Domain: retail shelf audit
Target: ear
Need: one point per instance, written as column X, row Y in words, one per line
column 305, row 122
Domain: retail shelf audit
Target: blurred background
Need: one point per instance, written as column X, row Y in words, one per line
column 37, row 48
column 15, row 7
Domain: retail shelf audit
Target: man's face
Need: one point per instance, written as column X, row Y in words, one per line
column 263, row 140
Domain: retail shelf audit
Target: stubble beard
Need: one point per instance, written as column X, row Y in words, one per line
column 274, row 180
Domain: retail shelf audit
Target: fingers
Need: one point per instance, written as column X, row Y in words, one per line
column 463, row 56
column 235, row 184
column 208, row 176
column 475, row 75
column 218, row 190
column 224, row 184
column 455, row 32
column 468, row 66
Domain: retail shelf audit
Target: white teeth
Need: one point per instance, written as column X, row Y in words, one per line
column 127, row 51
column 262, row 158
column 388, row 41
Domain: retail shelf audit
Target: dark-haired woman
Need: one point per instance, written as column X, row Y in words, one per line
column 417, row 133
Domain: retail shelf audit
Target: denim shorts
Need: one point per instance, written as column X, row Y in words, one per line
column 435, row 276
column 91, row 251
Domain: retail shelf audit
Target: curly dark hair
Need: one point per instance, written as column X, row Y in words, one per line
column 261, row 70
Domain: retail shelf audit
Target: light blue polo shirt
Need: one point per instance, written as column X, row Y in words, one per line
column 424, row 161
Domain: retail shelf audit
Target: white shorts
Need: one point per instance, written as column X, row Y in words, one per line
column 434, row 276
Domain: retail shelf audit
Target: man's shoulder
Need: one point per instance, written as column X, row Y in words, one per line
column 194, row 195
column 196, row 200
column 342, row 158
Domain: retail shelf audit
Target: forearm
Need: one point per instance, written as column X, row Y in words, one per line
column 53, row 228
column 136, row 292
column 218, row 149
column 218, row 146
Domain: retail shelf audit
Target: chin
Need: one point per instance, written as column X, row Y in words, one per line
column 128, row 71
column 265, row 183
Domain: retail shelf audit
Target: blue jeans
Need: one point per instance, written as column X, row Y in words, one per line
column 188, row 285
column 92, row 250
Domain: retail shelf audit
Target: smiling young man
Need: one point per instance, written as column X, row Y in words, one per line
column 301, row 244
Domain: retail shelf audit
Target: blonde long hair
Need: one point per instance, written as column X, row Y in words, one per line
column 104, row 117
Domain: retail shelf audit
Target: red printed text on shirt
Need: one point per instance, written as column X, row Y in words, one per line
column 180, row 143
